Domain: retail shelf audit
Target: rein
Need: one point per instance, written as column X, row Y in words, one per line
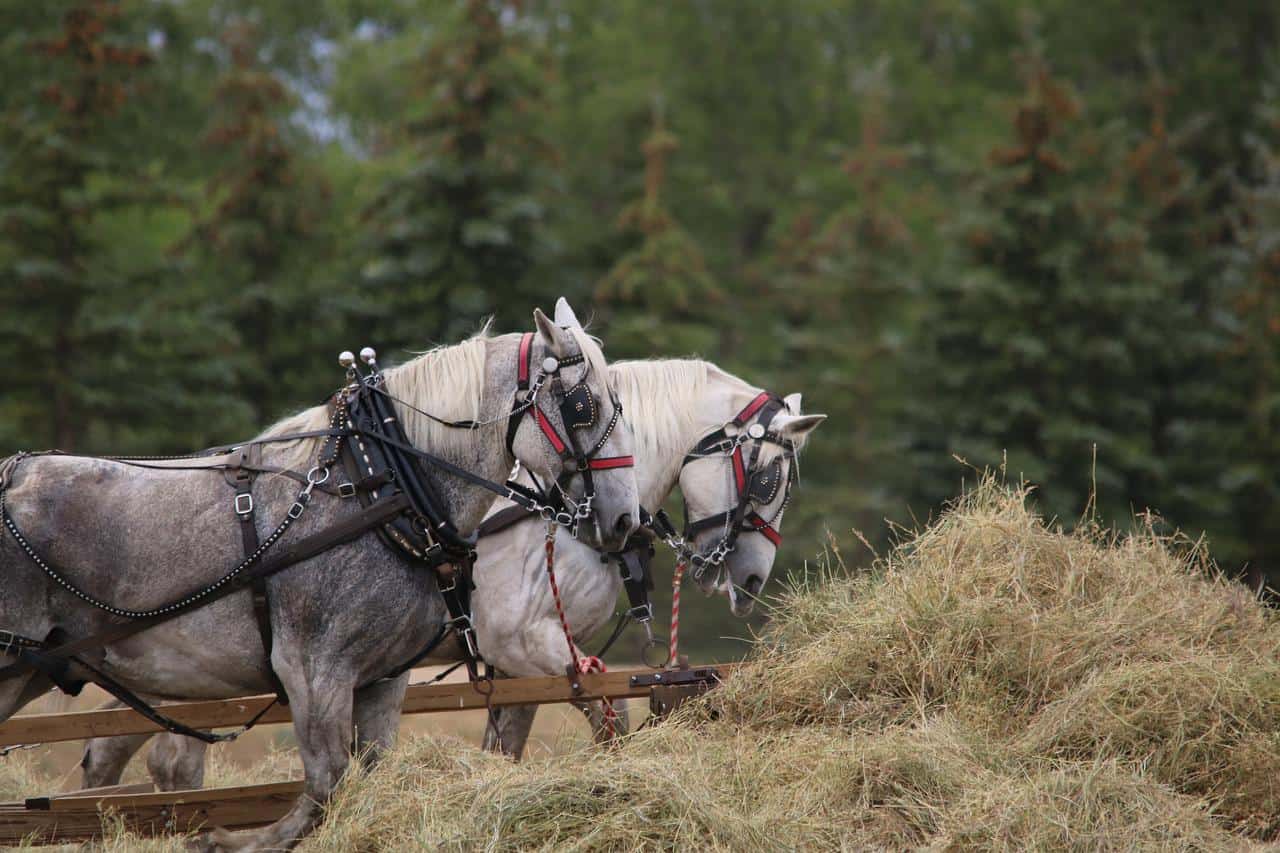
column 579, row 664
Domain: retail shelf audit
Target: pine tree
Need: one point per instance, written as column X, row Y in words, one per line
column 836, row 291
column 60, row 174
column 659, row 293
column 259, row 243
column 1045, row 336
column 456, row 234
column 123, row 352
column 1252, row 274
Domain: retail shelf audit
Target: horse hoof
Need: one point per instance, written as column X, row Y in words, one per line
column 215, row 841
column 202, row 843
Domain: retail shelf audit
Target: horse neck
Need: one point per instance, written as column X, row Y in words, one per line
column 723, row 397
column 482, row 451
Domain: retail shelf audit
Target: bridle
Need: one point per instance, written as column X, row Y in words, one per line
column 579, row 410
column 754, row 487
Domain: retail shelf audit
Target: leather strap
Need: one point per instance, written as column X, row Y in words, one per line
column 244, row 509
column 345, row 530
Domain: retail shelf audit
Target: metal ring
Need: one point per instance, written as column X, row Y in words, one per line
column 655, row 643
column 315, row 480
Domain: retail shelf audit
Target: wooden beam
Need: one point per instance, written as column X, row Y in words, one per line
column 79, row 818
column 419, row 699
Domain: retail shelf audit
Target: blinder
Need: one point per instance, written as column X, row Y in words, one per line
column 765, row 483
column 578, row 409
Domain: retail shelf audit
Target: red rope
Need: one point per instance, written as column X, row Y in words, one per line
column 584, row 663
column 674, row 648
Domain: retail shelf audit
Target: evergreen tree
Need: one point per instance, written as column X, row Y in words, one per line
column 659, row 293
column 259, row 244
column 457, row 232
column 835, row 296
column 63, row 172
column 1044, row 339
column 1252, row 273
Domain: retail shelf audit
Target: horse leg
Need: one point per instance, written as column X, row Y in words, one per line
column 17, row 692
column 510, row 730
column 176, row 762
column 601, row 730
column 322, row 705
column 105, row 758
column 377, row 717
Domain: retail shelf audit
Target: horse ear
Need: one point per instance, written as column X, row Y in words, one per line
column 792, row 402
column 565, row 316
column 558, row 341
column 796, row 427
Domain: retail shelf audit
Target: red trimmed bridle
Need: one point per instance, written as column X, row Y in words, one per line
column 754, row 487
column 578, row 409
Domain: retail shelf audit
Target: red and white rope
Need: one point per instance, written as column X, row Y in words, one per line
column 674, row 648
column 583, row 663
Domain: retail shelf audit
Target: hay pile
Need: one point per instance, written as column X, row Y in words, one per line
column 993, row 684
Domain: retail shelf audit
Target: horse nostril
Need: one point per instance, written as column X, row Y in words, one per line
column 624, row 525
column 754, row 584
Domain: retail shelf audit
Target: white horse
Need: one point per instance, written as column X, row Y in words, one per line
column 671, row 406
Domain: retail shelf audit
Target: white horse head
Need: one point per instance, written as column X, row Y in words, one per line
column 675, row 405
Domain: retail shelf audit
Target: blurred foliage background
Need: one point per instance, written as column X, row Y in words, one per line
column 1042, row 235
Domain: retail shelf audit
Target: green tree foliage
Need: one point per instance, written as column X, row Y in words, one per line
column 258, row 243
column 1049, row 339
column 659, row 293
column 1252, row 273
column 82, row 316
column 835, row 290
column 455, row 233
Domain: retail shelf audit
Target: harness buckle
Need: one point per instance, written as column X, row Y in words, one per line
column 463, row 628
column 643, row 613
column 295, row 511
column 243, row 504
column 346, row 490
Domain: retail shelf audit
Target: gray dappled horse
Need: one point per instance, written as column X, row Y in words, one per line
column 340, row 621
column 672, row 406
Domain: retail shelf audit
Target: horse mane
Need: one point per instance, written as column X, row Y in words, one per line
column 662, row 401
column 447, row 381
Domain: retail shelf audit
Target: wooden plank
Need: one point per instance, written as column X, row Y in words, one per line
column 78, row 725
column 90, row 793
column 222, row 713
column 80, row 818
